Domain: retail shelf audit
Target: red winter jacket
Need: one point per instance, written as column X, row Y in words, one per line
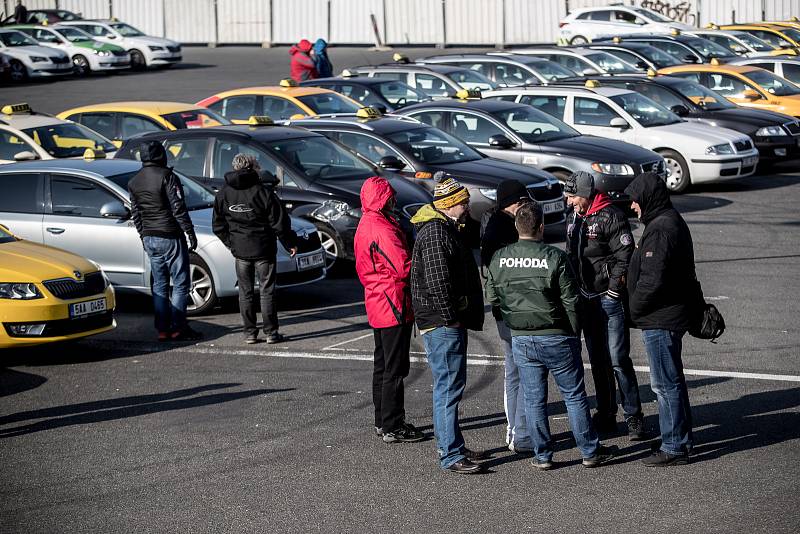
column 302, row 66
column 383, row 259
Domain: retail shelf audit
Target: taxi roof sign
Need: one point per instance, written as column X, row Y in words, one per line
column 12, row 109
column 346, row 73
column 400, row 58
column 714, row 61
column 712, row 26
column 675, row 31
column 651, row 73
column 591, row 84
column 617, row 39
column 465, row 94
column 368, row 113
column 288, row 82
column 260, row 120
column 91, row 154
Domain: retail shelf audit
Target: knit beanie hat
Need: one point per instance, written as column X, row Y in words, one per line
column 448, row 192
column 580, row 184
column 510, row 192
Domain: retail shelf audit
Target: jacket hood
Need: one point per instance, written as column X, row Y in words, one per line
column 650, row 192
column 242, row 179
column 427, row 213
column 320, row 46
column 599, row 202
column 152, row 153
column 303, row 46
column 375, row 193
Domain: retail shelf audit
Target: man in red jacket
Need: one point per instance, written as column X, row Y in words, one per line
column 302, row 65
column 383, row 264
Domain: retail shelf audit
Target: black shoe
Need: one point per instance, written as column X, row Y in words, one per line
column 275, row 337
column 252, row 340
column 475, row 456
column 187, row 334
column 665, row 459
column 542, row 465
column 405, row 434
column 606, row 424
column 603, row 455
column 464, row 467
column 636, row 431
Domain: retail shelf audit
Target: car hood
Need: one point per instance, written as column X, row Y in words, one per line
column 702, row 133
column 26, row 261
column 149, row 40
column 749, row 117
column 98, row 45
column 35, row 51
column 590, row 147
column 488, row 172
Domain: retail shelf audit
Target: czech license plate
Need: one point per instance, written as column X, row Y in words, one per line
column 553, row 207
column 749, row 161
column 89, row 307
column 310, row 262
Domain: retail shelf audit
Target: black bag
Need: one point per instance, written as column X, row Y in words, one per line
column 707, row 322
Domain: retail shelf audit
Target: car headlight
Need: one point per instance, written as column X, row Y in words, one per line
column 156, row 48
column 619, row 169
column 38, row 59
column 717, row 150
column 101, row 53
column 491, row 194
column 19, row 291
column 768, row 131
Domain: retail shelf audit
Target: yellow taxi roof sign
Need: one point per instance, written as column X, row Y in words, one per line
column 400, row 58
column 260, row 120
column 93, row 153
column 368, row 113
column 712, row 26
column 13, row 109
column 651, row 73
column 591, row 84
column 714, row 61
column 794, row 19
column 617, row 39
column 465, row 94
column 348, row 73
column 288, row 82
column 675, row 31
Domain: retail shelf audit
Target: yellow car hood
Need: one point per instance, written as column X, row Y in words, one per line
column 24, row 261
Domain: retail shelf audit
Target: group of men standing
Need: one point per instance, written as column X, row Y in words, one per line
column 543, row 298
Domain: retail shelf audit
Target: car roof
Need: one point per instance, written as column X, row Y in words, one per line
column 552, row 50
column 26, row 120
column 155, row 107
column 708, row 67
column 628, row 45
column 508, row 56
column 274, row 90
column 98, row 167
column 567, row 89
column 385, row 125
column 488, row 105
column 261, row 133
column 430, row 67
column 358, row 80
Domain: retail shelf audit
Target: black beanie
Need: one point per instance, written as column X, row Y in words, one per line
column 580, row 184
column 509, row 192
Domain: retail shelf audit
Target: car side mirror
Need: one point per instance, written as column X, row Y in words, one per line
column 751, row 94
column 114, row 210
column 501, row 142
column 589, row 72
column 25, row 155
column 391, row 163
column 690, row 58
column 619, row 122
column 679, row 110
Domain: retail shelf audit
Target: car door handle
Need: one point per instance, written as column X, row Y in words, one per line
column 53, row 230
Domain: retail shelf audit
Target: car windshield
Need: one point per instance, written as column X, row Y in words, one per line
column 772, row 83
column 319, row 158
column 329, row 102
column 551, row 71
column 754, row 42
column 471, row 79
column 652, row 15
column 196, row 196
column 67, row 15
column 400, row 94
column 15, row 38
column 792, row 34
column 611, row 64
column 433, row 146
column 68, row 140
column 195, row 118
column 74, row 35
column 5, row 237
column 702, row 96
column 534, row 126
column 658, row 57
column 709, row 49
column 126, row 30
column 645, row 111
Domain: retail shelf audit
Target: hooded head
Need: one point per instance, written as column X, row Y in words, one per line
column 152, row 154
column 651, row 194
column 510, row 192
column 304, row 45
column 376, row 193
column 320, row 46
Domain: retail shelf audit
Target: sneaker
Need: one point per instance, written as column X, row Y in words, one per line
column 252, row 340
column 405, row 434
column 519, row 449
column 542, row 465
column 665, row 459
column 603, row 455
column 275, row 337
column 379, row 431
column 603, row 423
column 187, row 334
column 636, row 430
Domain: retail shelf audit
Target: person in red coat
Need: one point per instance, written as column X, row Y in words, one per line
column 302, row 65
column 383, row 264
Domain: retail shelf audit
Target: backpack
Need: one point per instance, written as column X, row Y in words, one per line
column 707, row 322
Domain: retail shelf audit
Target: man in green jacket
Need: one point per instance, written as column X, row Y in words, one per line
column 537, row 294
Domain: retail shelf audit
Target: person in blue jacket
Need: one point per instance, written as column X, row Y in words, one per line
column 321, row 59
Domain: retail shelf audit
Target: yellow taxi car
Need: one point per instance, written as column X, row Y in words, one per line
column 121, row 120
column 282, row 102
column 777, row 35
column 747, row 86
column 48, row 294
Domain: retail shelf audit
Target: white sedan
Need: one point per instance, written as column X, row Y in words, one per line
column 28, row 59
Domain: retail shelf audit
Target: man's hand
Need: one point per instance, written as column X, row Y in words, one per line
column 292, row 251
column 192, row 241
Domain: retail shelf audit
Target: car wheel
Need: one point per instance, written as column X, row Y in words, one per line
column 202, row 295
column 578, row 40
column 138, row 61
column 82, row 67
column 678, row 177
column 330, row 243
column 17, row 71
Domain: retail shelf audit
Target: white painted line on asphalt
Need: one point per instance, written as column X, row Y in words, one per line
column 720, row 297
column 348, row 341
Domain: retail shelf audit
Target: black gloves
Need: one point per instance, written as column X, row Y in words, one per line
column 192, row 241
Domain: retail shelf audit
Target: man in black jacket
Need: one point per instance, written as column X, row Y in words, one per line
column 599, row 247
column 248, row 216
column 663, row 297
column 447, row 300
column 159, row 213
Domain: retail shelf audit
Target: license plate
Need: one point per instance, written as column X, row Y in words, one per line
column 749, row 161
column 310, row 262
column 89, row 307
column 553, row 207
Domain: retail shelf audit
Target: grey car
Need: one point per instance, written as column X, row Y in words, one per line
column 83, row 207
column 505, row 69
column 436, row 81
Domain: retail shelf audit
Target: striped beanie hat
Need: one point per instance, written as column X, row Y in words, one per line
column 448, row 192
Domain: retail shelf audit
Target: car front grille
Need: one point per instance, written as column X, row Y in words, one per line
column 66, row 327
column 174, row 48
column 309, row 243
column 120, row 53
column 67, row 288
column 546, row 192
column 793, row 127
column 58, row 60
column 744, row 145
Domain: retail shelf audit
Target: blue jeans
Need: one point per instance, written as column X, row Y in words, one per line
column 608, row 343
column 668, row 383
column 560, row 355
column 513, row 396
column 169, row 258
column 447, row 356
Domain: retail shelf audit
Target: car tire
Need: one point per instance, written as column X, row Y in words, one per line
column 578, row 40
column 202, row 295
column 331, row 243
column 82, row 66
column 678, row 176
column 138, row 61
column 17, row 71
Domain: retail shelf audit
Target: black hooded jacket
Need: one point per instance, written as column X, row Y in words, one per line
column 248, row 216
column 158, row 208
column 662, row 282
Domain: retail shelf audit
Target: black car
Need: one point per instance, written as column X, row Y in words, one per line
column 684, row 48
column 418, row 151
column 523, row 134
column 44, row 16
column 775, row 135
column 384, row 95
column 641, row 55
column 318, row 179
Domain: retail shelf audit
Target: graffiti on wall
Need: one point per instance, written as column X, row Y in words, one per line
column 679, row 12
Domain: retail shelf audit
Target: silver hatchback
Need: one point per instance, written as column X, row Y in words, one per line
column 83, row 207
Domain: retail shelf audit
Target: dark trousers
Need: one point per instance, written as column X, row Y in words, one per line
column 246, row 271
column 391, row 367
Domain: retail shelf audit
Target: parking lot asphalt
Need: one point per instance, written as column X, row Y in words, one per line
column 119, row 433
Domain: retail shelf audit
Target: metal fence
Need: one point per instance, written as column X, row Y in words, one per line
column 396, row 22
